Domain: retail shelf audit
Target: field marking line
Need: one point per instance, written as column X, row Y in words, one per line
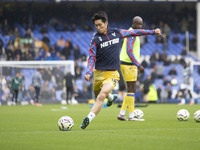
column 121, row 130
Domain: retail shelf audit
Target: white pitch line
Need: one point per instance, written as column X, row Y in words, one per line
column 86, row 131
column 161, row 129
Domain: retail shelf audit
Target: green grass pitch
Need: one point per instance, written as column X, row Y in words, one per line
column 35, row 128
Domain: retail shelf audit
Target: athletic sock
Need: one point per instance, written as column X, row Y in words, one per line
column 91, row 116
column 183, row 101
column 124, row 105
column 122, row 112
column 131, row 101
column 110, row 97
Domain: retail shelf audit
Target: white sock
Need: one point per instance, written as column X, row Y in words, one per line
column 183, row 101
column 131, row 115
column 110, row 97
column 91, row 116
column 122, row 112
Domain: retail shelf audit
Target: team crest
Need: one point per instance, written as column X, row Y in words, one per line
column 113, row 34
column 100, row 39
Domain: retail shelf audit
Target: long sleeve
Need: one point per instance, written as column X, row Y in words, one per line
column 129, row 49
column 136, row 32
column 91, row 59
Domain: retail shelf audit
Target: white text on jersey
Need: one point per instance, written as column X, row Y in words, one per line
column 107, row 43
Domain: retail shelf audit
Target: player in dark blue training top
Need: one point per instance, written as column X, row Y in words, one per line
column 104, row 54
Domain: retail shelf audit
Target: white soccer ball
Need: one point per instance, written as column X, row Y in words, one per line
column 63, row 102
column 183, row 115
column 174, row 82
column 138, row 113
column 197, row 116
column 65, row 123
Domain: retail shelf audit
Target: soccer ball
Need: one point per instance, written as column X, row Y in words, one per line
column 183, row 115
column 65, row 123
column 174, row 82
column 197, row 116
column 138, row 113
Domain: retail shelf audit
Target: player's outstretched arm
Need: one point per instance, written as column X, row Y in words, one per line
column 139, row 32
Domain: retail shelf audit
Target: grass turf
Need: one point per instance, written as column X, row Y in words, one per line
column 31, row 127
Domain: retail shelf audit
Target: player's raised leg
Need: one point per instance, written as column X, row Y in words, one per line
column 106, row 89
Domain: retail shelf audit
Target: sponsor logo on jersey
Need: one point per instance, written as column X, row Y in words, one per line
column 110, row 42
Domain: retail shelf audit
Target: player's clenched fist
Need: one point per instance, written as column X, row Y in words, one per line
column 157, row 32
column 87, row 77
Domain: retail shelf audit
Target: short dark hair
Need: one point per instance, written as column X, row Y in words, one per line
column 100, row 15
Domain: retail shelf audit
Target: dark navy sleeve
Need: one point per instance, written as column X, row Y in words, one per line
column 92, row 58
column 136, row 32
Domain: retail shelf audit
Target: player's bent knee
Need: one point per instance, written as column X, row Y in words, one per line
column 102, row 96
